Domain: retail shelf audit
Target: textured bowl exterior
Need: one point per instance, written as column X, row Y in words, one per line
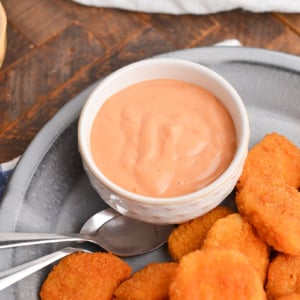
column 172, row 210
column 166, row 214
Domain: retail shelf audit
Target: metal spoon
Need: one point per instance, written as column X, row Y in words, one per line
column 108, row 229
column 112, row 231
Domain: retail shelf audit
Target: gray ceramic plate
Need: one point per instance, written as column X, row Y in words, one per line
column 49, row 192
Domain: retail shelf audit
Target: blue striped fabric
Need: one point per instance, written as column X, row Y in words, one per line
column 6, row 170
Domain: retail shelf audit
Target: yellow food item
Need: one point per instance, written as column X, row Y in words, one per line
column 283, row 276
column 216, row 274
column 150, row 283
column 190, row 235
column 85, row 276
column 234, row 232
column 267, row 192
column 292, row 296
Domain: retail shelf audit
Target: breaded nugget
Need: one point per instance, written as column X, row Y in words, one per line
column 283, row 276
column 267, row 192
column 293, row 296
column 234, row 232
column 274, row 210
column 216, row 274
column 85, row 276
column 274, row 156
column 150, row 283
column 190, row 235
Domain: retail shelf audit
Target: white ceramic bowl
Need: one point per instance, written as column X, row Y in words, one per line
column 174, row 209
column 3, row 24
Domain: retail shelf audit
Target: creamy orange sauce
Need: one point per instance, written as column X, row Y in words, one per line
column 163, row 138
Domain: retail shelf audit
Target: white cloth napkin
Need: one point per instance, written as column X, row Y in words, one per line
column 178, row 7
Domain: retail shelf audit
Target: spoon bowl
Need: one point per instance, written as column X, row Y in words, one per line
column 125, row 236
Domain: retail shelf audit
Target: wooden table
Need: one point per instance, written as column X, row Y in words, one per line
column 57, row 48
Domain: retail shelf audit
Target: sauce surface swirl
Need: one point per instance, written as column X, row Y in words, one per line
column 163, row 138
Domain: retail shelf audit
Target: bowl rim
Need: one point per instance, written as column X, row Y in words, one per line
column 237, row 160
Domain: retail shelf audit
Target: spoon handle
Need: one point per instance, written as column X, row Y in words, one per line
column 12, row 275
column 18, row 239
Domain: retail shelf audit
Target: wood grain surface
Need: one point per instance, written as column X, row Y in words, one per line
column 57, row 48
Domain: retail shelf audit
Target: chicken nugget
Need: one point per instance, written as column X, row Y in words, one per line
column 150, row 283
column 283, row 276
column 273, row 157
column 234, row 232
column 92, row 276
column 190, row 235
column 267, row 192
column 274, row 210
column 216, row 274
column 292, row 296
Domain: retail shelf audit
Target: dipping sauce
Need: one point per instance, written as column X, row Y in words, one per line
column 163, row 138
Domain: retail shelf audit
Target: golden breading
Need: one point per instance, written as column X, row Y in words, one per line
column 85, row 276
column 267, row 192
column 283, row 276
column 274, row 156
column 234, row 232
column 190, row 235
column 216, row 274
column 150, row 283
column 293, row 296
